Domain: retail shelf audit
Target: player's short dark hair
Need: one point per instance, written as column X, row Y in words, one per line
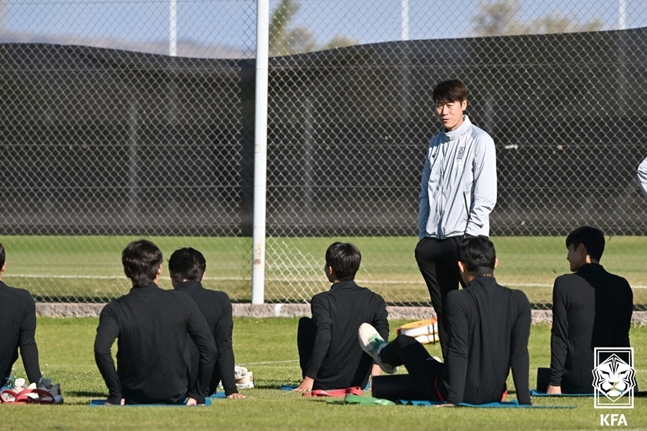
column 141, row 260
column 452, row 90
column 592, row 238
column 478, row 255
column 3, row 256
column 186, row 264
column 344, row 258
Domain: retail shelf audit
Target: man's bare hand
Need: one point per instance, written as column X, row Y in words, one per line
column 554, row 390
column 306, row 385
column 121, row 403
column 191, row 402
column 445, row 405
column 236, row 396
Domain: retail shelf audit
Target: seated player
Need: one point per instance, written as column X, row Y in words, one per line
column 17, row 329
column 187, row 267
column 328, row 352
column 153, row 327
column 488, row 328
column 591, row 308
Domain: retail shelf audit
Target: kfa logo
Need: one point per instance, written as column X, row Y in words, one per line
column 461, row 152
column 614, row 378
column 611, row 420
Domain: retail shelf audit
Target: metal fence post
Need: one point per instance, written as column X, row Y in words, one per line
column 260, row 150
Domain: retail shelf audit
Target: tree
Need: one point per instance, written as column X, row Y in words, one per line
column 500, row 17
column 339, row 42
column 285, row 40
column 557, row 23
column 503, row 17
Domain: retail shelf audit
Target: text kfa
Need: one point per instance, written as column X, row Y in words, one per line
column 613, row 420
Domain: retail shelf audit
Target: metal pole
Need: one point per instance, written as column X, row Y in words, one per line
column 172, row 28
column 133, row 166
column 404, row 70
column 260, row 149
column 307, row 180
column 404, row 19
column 622, row 25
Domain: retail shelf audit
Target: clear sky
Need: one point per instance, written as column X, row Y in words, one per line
column 232, row 23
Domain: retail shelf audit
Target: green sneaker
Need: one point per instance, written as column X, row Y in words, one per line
column 372, row 343
column 367, row 401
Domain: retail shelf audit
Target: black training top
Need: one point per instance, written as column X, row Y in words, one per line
column 591, row 308
column 152, row 353
column 488, row 327
column 216, row 308
column 337, row 315
column 17, row 329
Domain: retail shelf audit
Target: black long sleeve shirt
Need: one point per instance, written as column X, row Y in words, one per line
column 153, row 357
column 18, row 330
column 216, row 308
column 489, row 327
column 338, row 314
column 591, row 308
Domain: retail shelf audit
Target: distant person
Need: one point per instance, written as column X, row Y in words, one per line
column 488, row 327
column 153, row 327
column 329, row 355
column 642, row 176
column 187, row 267
column 17, row 329
column 458, row 193
column 591, row 308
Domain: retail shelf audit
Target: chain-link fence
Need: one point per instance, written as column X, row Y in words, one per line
column 104, row 133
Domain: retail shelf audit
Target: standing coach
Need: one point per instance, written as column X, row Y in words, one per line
column 458, row 193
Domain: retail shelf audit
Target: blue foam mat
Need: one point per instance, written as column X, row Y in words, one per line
column 102, row 403
column 289, row 387
column 499, row 405
column 536, row 393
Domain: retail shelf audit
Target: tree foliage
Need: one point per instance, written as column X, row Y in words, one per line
column 286, row 39
column 503, row 17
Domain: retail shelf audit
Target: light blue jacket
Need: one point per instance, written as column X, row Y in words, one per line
column 459, row 185
column 642, row 176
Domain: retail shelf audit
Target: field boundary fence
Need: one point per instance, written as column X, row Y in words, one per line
column 127, row 120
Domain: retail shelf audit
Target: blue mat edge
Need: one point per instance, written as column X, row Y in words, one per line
column 207, row 402
column 289, row 387
column 503, row 405
column 536, row 393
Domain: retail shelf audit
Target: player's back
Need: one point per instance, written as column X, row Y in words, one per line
column 596, row 304
column 488, row 326
column 152, row 353
column 345, row 307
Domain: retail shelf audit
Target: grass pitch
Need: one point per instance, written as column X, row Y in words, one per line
column 88, row 268
column 268, row 348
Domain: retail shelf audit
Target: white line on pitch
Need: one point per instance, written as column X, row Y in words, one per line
column 270, row 363
column 503, row 282
column 104, row 277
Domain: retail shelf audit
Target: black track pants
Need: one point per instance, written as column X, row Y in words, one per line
column 424, row 370
column 438, row 263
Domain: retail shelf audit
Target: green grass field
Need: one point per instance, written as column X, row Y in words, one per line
column 85, row 267
column 268, row 348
